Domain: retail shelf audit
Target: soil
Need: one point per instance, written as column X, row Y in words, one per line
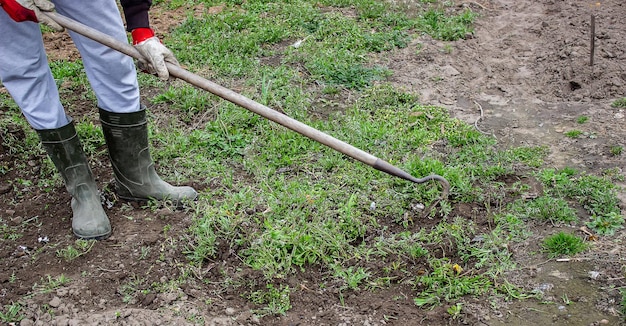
column 524, row 76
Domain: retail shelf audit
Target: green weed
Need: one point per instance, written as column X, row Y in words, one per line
column 70, row 253
column 446, row 27
column 444, row 284
column 582, row 119
column 545, row 208
column 131, row 289
column 186, row 100
column 276, row 300
column 50, row 284
column 622, row 292
column 455, row 310
column 145, row 251
column 91, row 137
column 563, row 244
column 351, row 276
column 512, row 291
column 619, row 103
column 616, row 150
column 597, row 195
column 72, row 82
column 573, row 133
column 606, row 224
column 22, row 142
column 9, row 232
column 11, row 313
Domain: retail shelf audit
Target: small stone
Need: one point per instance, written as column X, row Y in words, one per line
column 169, row 297
column 148, row 299
column 9, row 212
column 229, row 311
column 62, row 320
column 55, row 302
column 544, row 287
column 62, row 292
column 450, row 71
column 5, row 189
column 47, row 318
column 26, row 322
column 418, row 206
column 604, row 322
column 164, row 212
column 75, row 322
column 63, row 309
column 246, row 315
column 17, row 220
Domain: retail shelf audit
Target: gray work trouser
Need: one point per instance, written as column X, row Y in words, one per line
column 24, row 69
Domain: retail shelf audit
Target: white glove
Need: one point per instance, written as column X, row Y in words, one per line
column 157, row 55
column 23, row 10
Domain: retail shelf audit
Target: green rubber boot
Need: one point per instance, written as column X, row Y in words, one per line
column 89, row 220
column 126, row 135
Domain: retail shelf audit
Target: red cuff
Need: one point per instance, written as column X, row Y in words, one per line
column 141, row 34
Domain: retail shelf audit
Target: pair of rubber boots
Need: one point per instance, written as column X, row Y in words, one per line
column 126, row 136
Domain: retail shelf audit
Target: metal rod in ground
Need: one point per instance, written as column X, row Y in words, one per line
column 252, row 105
column 593, row 39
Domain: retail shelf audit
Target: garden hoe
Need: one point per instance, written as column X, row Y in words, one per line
column 253, row 106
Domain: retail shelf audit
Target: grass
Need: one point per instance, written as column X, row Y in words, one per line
column 563, row 244
column 622, row 293
column 286, row 205
column 619, row 103
column 50, row 283
column 606, row 224
column 573, row 133
column 616, row 150
column 445, row 284
column 11, row 313
column 545, row 208
column 275, row 300
column 80, row 248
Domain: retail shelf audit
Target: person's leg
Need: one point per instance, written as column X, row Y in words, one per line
column 66, row 152
column 24, row 71
column 114, row 80
column 112, row 75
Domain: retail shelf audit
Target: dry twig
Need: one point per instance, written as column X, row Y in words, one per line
column 480, row 107
column 474, row 3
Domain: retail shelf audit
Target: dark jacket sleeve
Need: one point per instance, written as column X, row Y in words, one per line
column 136, row 13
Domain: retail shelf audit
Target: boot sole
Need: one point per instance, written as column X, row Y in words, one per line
column 178, row 204
column 97, row 237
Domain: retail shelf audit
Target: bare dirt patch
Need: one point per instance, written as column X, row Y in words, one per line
column 523, row 77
